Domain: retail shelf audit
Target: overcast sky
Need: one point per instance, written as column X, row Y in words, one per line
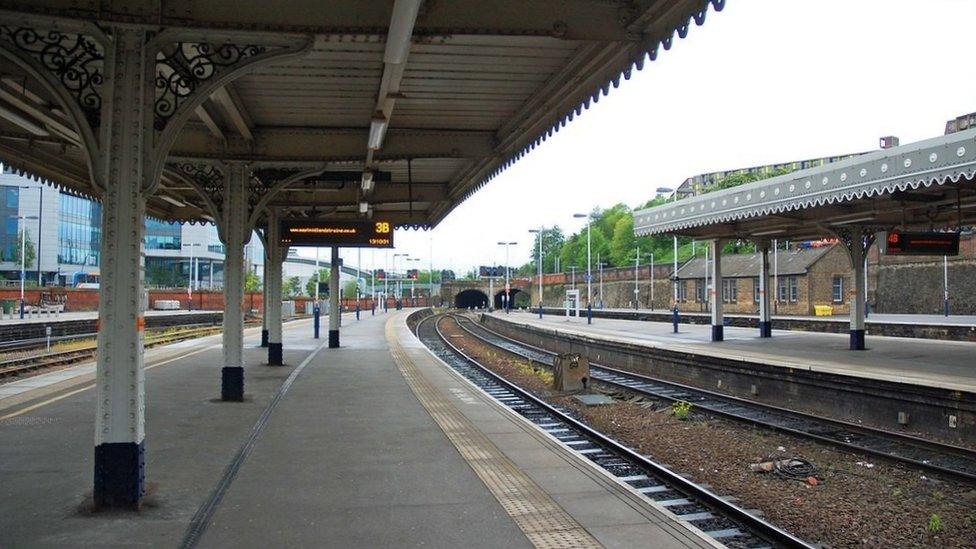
column 761, row 82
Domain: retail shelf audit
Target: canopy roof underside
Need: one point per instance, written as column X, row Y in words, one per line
column 928, row 185
column 482, row 84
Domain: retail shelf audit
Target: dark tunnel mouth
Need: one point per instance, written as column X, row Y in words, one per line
column 519, row 298
column 471, row 298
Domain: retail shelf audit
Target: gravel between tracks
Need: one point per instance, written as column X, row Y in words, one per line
column 862, row 502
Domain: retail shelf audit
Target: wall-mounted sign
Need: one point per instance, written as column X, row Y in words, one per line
column 345, row 234
column 927, row 243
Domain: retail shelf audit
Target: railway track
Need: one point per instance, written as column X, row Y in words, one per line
column 33, row 362
column 717, row 516
column 948, row 460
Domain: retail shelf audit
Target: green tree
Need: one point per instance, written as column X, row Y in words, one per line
column 623, row 242
column 291, row 288
column 29, row 253
column 569, row 252
column 161, row 276
column 349, row 290
column 252, row 283
column 552, row 241
column 310, row 285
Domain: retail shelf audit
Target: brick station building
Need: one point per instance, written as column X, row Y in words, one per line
column 806, row 277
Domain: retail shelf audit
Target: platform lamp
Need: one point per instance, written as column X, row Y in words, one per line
column 23, row 257
column 589, row 270
column 189, row 282
column 397, row 288
column 508, row 297
column 413, row 284
column 539, row 233
column 674, row 273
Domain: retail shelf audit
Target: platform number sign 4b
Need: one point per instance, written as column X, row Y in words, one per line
column 345, row 234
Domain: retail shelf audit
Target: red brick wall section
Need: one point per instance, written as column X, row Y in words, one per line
column 87, row 299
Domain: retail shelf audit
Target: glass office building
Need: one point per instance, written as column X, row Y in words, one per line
column 9, row 210
column 79, row 231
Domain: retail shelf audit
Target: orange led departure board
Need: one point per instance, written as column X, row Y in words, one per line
column 921, row 243
column 345, row 234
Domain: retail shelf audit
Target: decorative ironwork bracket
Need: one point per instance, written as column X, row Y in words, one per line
column 76, row 60
column 183, row 67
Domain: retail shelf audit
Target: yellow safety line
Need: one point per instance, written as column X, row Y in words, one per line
column 85, row 388
column 541, row 519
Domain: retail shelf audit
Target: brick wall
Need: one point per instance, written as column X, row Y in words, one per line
column 836, row 262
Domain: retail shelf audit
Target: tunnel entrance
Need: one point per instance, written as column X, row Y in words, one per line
column 471, row 298
column 519, row 298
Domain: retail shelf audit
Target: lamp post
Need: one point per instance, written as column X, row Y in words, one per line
column 572, row 268
column 636, row 279
column 508, row 297
column 413, row 284
column 674, row 273
column 189, row 282
column 589, row 271
column 38, row 217
column 397, row 288
column 539, row 232
column 23, row 256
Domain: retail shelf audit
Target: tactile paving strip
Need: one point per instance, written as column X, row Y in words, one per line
column 543, row 521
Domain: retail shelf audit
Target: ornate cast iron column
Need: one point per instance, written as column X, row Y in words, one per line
column 234, row 233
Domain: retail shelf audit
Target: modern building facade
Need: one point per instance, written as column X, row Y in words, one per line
column 64, row 232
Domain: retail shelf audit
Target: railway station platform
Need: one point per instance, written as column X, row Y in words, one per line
column 376, row 443
column 929, row 363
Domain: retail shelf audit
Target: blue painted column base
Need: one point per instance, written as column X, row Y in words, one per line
column 120, row 475
column 857, row 340
column 718, row 333
column 232, row 383
column 264, row 338
column 275, row 353
column 589, row 314
column 766, row 329
column 316, row 321
column 357, row 312
column 333, row 339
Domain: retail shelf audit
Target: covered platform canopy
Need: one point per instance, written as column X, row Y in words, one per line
column 254, row 112
column 929, row 185
column 925, row 185
column 432, row 98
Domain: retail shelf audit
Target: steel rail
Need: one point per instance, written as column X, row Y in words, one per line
column 925, row 445
column 753, row 524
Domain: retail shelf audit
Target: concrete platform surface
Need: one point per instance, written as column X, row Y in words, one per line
column 873, row 318
column 931, row 363
column 339, row 448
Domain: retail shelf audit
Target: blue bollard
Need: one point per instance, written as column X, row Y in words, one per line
column 22, row 309
column 373, row 309
column 540, row 309
column 315, row 321
column 675, row 319
column 589, row 313
column 357, row 311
